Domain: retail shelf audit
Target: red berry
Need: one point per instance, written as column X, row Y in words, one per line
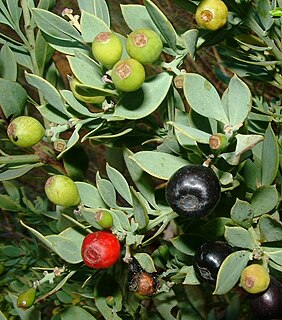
column 100, row 249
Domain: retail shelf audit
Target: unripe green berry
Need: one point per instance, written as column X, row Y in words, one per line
column 144, row 45
column 26, row 299
column 218, row 142
column 255, row 279
column 104, row 219
column 211, row 14
column 107, row 48
column 61, row 190
column 84, row 98
column 25, row 131
column 128, row 75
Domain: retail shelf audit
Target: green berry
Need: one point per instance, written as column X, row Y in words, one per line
column 144, row 45
column 128, row 75
column 61, row 190
column 25, row 131
column 211, row 14
column 104, row 219
column 107, row 48
column 26, row 299
column 80, row 96
column 255, row 279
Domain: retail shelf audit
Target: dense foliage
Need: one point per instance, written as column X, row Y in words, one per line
column 188, row 193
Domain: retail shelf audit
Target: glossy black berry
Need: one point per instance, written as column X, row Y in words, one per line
column 193, row 191
column 208, row 259
column 268, row 305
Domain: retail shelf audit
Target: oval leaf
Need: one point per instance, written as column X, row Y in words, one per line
column 239, row 237
column 203, row 97
column 241, row 213
column 89, row 195
column 230, row 271
column 141, row 103
column 264, row 200
column 270, row 229
column 158, row 164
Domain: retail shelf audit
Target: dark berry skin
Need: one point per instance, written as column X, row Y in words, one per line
column 193, row 191
column 268, row 305
column 208, row 259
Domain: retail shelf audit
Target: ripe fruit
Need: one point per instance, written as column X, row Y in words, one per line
column 26, row 298
column 208, row 259
column 211, row 14
column 25, row 131
column 83, row 97
column 128, row 75
column 267, row 305
column 100, row 249
column 193, row 191
column 107, row 48
column 61, row 190
column 144, row 45
column 255, row 278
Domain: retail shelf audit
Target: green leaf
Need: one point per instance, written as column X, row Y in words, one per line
column 158, row 164
column 91, row 26
column 98, row 8
column 239, row 237
column 264, row 200
column 19, row 171
column 241, row 213
column 52, row 115
column 270, row 157
column 43, row 52
column 6, row 203
column 49, row 92
column 238, row 101
column 192, row 133
column 55, row 26
column 8, row 63
column 203, row 97
column 131, row 11
column 74, row 313
column 67, row 249
column 2, row 317
column 145, row 261
column 107, row 192
column 163, row 24
column 270, row 229
column 13, row 98
column 119, row 182
column 215, row 228
column 15, row 11
column 190, row 277
column 141, row 103
column 89, row 195
column 230, row 271
column 190, row 38
column 140, row 209
column 140, row 178
column 181, row 243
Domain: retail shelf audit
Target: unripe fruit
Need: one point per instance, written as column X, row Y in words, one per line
column 61, row 190
column 26, row 299
column 254, row 278
column 100, row 250
column 218, row 142
column 107, row 48
column 128, row 75
column 211, row 14
column 144, row 45
column 84, row 98
column 25, row 131
column 104, row 219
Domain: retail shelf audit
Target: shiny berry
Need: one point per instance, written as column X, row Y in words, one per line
column 61, row 190
column 144, row 45
column 25, row 131
column 107, row 48
column 254, row 278
column 267, row 305
column 100, row 250
column 211, row 14
column 26, row 299
column 208, row 259
column 128, row 75
column 193, row 191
